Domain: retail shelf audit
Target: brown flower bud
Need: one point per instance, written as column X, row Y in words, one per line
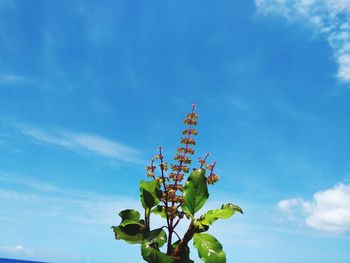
column 174, row 167
column 150, row 174
column 164, row 166
column 213, row 178
column 180, row 149
column 179, row 187
column 190, row 151
column 185, row 168
column 187, row 160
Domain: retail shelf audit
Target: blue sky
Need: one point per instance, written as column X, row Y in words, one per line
column 89, row 90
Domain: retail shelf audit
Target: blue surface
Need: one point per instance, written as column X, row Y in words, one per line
column 7, row 260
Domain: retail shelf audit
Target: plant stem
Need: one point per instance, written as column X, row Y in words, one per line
column 168, row 220
column 148, row 214
column 184, row 241
column 168, row 251
column 146, row 219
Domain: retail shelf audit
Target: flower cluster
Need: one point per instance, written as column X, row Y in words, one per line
column 172, row 196
column 150, row 169
column 212, row 178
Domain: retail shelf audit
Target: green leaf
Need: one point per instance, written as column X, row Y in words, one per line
column 200, row 227
column 149, row 194
column 130, row 224
column 209, row 248
column 226, row 211
column 132, row 229
column 159, row 210
column 156, row 237
column 195, row 192
column 131, row 239
column 153, row 255
column 130, row 214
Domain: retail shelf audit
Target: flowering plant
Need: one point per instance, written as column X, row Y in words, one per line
column 165, row 195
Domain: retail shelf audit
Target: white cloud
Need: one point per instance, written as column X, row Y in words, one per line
column 74, row 206
column 9, row 78
column 34, row 221
column 331, row 18
column 328, row 211
column 84, row 142
column 12, row 79
column 27, row 182
column 16, row 250
column 290, row 207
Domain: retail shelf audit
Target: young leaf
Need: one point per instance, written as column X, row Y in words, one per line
column 131, row 239
column 130, row 214
column 209, row 248
column 130, row 224
column 153, row 255
column 149, row 193
column 224, row 212
column 156, row 237
column 195, row 192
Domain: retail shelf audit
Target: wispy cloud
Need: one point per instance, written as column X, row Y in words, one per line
column 78, row 207
column 328, row 211
column 239, row 104
column 75, row 206
column 72, row 206
column 17, row 250
column 27, row 182
column 61, row 216
column 83, row 143
column 10, row 78
column 331, row 18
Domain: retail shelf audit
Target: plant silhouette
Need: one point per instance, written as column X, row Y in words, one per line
column 165, row 195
